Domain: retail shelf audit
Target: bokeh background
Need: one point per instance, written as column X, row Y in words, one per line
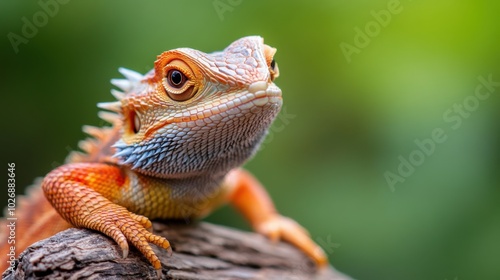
column 344, row 126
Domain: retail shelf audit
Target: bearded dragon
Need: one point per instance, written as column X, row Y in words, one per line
column 179, row 136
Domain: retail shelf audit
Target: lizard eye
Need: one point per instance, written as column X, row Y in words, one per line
column 178, row 81
column 271, row 63
column 273, row 69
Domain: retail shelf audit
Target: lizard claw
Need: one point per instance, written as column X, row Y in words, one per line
column 124, row 227
column 279, row 227
column 169, row 251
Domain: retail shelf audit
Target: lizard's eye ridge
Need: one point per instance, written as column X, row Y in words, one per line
column 176, row 79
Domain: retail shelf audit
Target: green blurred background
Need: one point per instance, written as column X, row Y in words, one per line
column 346, row 123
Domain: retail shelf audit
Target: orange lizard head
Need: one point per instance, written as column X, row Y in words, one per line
column 197, row 113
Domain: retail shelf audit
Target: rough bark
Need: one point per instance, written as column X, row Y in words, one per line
column 201, row 251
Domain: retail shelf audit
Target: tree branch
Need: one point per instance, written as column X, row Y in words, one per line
column 201, row 251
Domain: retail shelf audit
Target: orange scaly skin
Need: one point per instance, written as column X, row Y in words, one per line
column 179, row 135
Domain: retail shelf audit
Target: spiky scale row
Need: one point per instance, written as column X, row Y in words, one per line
column 109, row 117
column 96, row 132
column 117, row 94
column 100, row 136
column 111, row 106
column 131, row 79
column 131, row 75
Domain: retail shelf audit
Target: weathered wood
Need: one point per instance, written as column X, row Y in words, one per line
column 201, row 251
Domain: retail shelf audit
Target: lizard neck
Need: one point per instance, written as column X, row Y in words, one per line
column 205, row 155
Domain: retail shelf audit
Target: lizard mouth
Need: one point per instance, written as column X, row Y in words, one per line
column 257, row 95
column 264, row 93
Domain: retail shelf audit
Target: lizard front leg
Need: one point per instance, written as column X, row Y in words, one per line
column 85, row 195
column 250, row 198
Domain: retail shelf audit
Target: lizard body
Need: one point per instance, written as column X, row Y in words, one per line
column 179, row 135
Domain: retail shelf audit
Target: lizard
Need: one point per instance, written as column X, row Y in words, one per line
column 178, row 138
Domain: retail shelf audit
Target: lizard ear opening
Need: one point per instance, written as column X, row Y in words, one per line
column 132, row 122
column 137, row 124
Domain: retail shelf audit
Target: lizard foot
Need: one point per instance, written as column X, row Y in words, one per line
column 123, row 226
column 279, row 227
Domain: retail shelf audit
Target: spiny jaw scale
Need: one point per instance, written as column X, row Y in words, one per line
column 257, row 86
column 264, row 93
